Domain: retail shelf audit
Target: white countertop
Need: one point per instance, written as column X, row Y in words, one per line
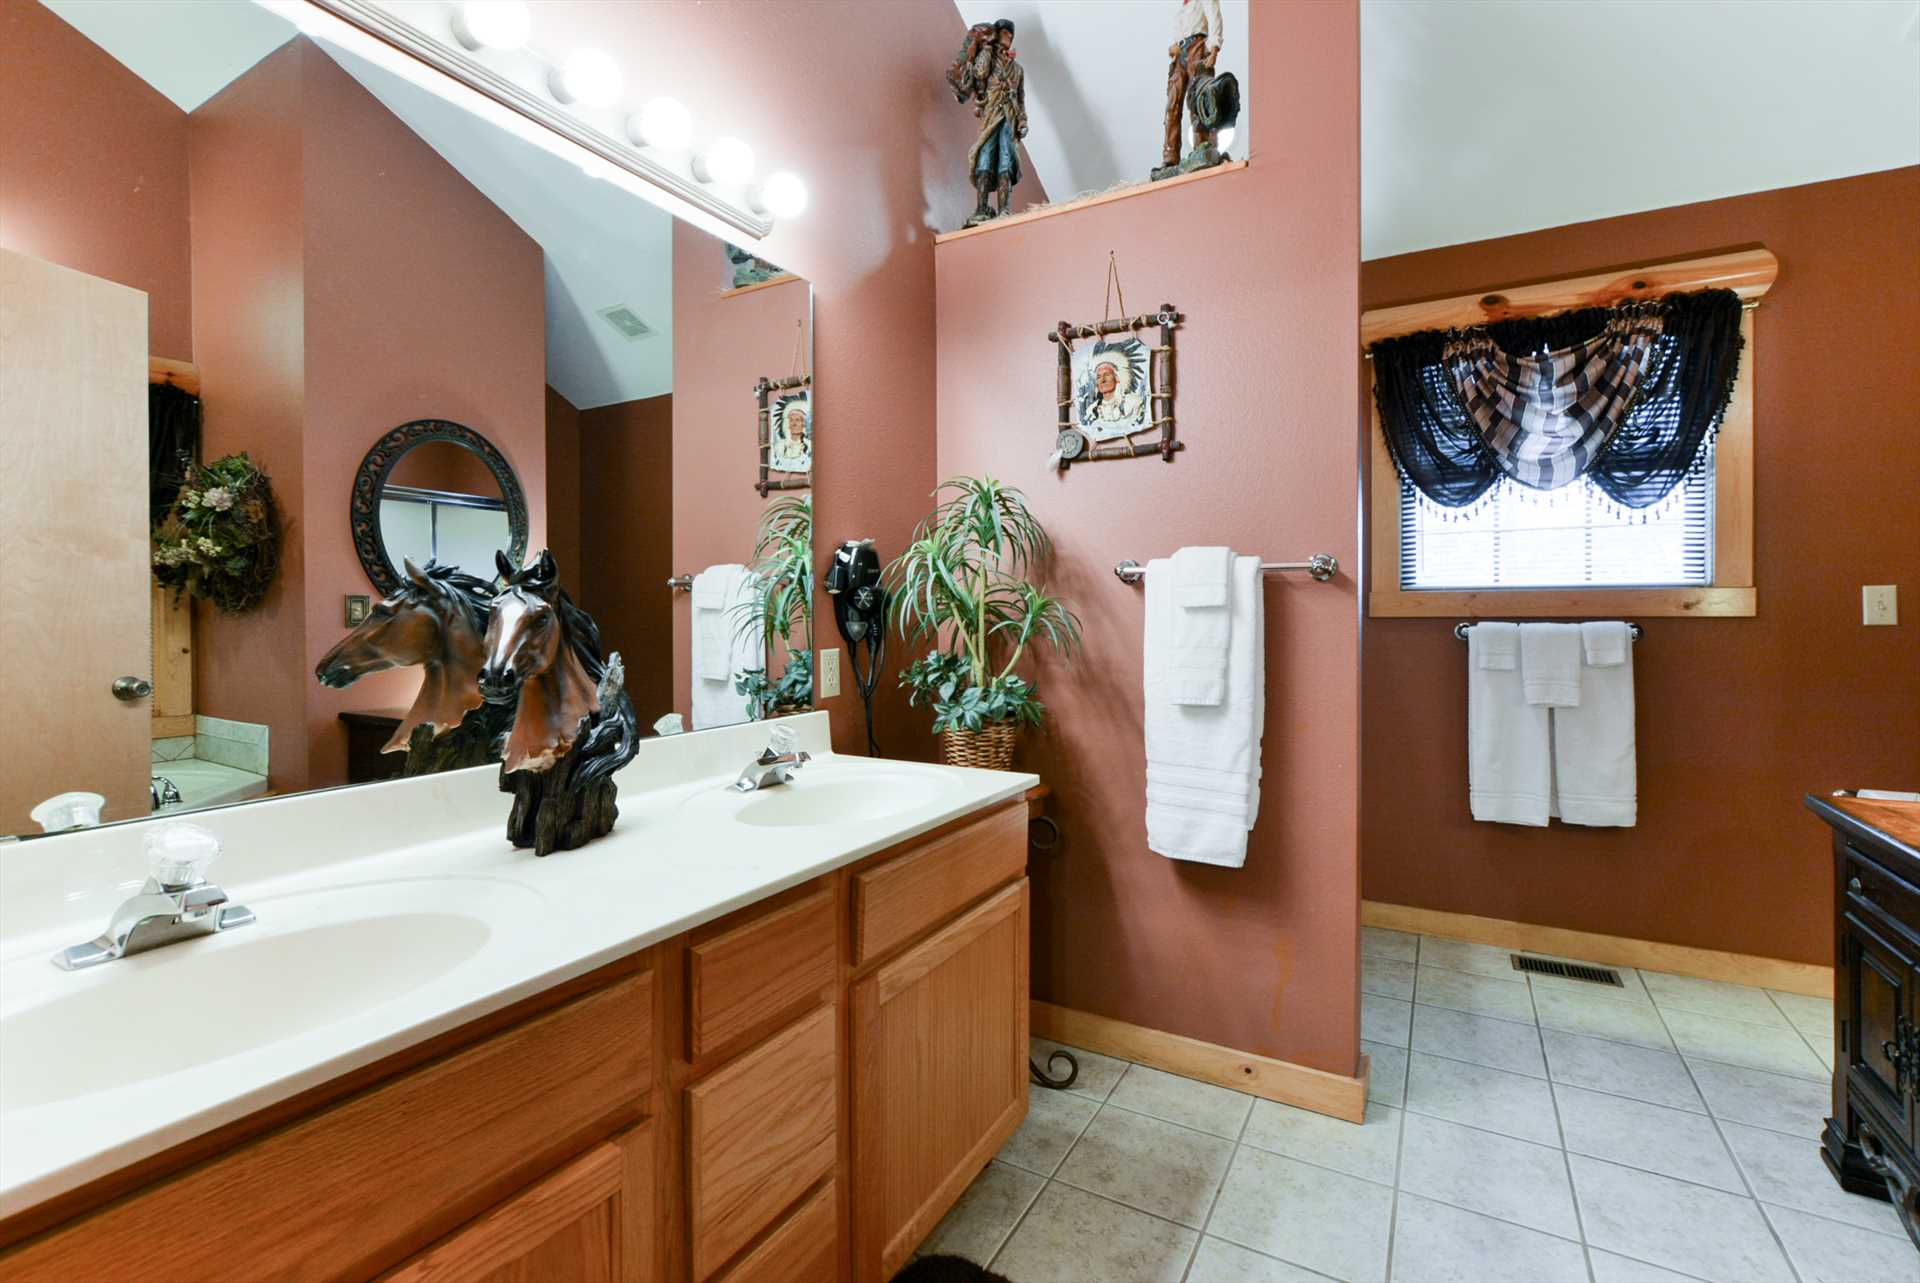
column 421, row 851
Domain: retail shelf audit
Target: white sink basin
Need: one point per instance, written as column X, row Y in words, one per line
column 827, row 795
column 311, row 960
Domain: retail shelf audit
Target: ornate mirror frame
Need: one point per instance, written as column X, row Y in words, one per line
column 364, row 507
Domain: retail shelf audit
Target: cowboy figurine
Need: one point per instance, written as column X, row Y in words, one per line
column 987, row 72
column 1196, row 43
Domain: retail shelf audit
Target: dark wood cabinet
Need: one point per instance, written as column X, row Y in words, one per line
column 1869, row 1142
column 367, row 734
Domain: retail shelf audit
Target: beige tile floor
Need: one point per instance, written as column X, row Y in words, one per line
column 1528, row 1129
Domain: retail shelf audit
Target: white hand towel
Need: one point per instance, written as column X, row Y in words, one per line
column 1508, row 759
column 1550, row 664
column 1593, row 746
column 1203, row 761
column 1202, row 626
column 1201, row 577
column 1605, row 642
column 719, row 646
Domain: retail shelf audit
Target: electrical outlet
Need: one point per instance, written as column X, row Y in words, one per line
column 828, row 668
column 1879, row 605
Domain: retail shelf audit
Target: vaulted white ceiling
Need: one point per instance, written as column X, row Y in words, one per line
column 603, row 246
column 1484, row 118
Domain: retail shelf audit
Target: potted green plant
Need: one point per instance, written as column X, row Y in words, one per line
column 962, row 586
column 780, row 606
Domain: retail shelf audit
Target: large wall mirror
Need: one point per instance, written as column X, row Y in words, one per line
column 310, row 343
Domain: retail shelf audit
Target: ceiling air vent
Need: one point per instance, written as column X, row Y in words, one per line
column 1567, row 970
column 627, row 321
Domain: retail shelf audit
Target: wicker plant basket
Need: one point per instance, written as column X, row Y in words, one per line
column 990, row 747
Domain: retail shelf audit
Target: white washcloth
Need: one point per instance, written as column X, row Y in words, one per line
column 1508, row 748
column 721, row 647
column 1593, row 745
column 1202, row 625
column 1201, row 577
column 1605, row 642
column 1203, row 761
column 1550, row 664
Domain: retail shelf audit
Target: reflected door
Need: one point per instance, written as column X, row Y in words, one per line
column 75, row 587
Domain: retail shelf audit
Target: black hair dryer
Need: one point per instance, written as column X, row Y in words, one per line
column 860, row 609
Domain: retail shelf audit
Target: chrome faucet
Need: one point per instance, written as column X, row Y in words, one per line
column 164, row 792
column 177, row 903
column 775, row 765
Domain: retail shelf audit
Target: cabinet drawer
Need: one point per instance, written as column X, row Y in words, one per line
column 760, row 1132
column 899, row 899
column 350, row 1190
column 1893, row 898
column 805, row 1249
column 753, row 972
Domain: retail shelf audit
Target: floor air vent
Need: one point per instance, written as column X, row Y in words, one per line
column 1568, row 970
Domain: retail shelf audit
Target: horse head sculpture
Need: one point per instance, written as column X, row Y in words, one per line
column 544, row 650
column 437, row 620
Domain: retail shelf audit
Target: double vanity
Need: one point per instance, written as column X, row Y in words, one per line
column 750, row 1035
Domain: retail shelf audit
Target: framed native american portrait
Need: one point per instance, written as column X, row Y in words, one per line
column 785, row 419
column 1114, row 389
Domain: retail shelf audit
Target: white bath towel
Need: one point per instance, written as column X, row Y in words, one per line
column 1203, row 761
column 1550, row 664
column 720, row 646
column 1509, row 759
column 1593, row 744
column 1202, row 625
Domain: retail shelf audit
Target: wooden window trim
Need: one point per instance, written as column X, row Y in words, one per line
column 1749, row 273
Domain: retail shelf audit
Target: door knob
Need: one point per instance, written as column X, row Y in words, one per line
column 131, row 688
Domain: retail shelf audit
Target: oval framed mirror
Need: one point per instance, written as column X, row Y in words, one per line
column 435, row 490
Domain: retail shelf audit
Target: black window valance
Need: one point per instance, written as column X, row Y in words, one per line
column 1625, row 395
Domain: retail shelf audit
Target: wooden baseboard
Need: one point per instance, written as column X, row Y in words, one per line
column 1620, row 951
column 1281, row 1080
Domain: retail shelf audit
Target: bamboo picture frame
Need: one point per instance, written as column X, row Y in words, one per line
column 1159, row 435
column 763, row 392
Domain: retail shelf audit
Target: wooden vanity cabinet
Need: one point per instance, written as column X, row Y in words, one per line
column 796, row 1092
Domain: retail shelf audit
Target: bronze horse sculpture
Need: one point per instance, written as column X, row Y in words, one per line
column 573, row 724
column 437, row 620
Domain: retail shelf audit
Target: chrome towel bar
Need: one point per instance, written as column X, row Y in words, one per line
column 1320, row 566
column 1460, row 629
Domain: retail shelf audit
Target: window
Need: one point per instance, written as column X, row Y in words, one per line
column 1574, row 551
column 1575, row 537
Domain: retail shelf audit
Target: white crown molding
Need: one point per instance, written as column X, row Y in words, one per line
column 372, row 19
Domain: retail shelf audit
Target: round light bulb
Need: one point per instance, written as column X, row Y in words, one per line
column 662, row 123
column 588, row 78
column 491, row 24
column 783, row 195
column 727, row 162
column 1224, row 139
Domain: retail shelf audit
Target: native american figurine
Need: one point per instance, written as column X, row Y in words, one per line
column 1212, row 102
column 574, row 725
column 987, row 72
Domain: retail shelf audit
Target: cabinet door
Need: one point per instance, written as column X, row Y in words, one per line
column 940, row 1052
column 1880, row 978
column 589, row 1222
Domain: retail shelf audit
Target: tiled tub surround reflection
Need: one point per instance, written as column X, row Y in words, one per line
column 222, row 761
column 1519, row 1128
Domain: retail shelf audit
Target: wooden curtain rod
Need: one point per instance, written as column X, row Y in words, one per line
column 184, row 375
column 1749, row 273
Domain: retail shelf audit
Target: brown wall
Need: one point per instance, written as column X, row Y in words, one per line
column 332, row 247
column 1737, row 717
column 721, row 347
column 444, row 466
column 626, row 513
column 563, row 487
column 93, row 168
column 1264, row 263
column 856, row 106
column 250, row 340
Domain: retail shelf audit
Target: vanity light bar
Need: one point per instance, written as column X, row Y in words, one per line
column 370, row 28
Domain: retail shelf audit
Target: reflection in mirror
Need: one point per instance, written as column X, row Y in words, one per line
column 314, row 257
